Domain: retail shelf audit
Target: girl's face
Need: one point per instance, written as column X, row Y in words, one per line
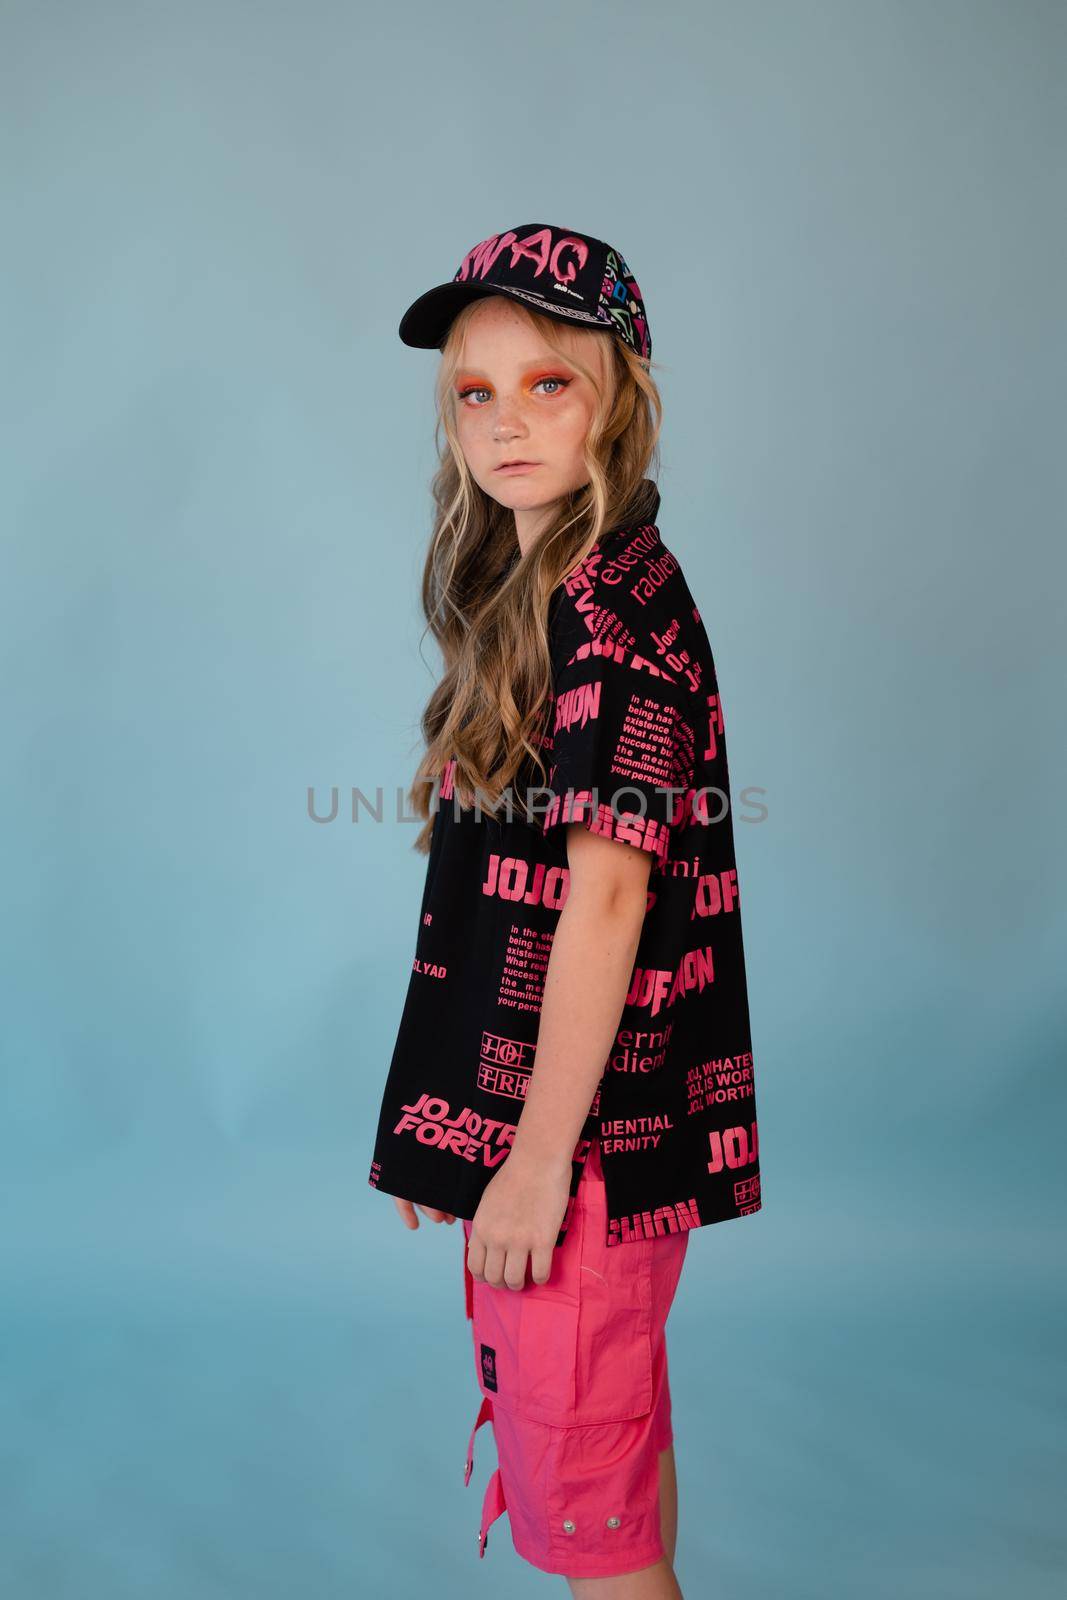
column 517, row 400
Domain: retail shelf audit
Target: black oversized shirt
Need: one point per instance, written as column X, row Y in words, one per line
column 635, row 750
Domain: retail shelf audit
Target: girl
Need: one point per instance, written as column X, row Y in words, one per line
column 572, row 1075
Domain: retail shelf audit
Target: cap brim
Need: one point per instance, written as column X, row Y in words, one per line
column 426, row 321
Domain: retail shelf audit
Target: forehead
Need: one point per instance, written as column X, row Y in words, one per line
column 497, row 333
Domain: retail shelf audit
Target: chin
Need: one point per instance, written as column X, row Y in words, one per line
column 519, row 494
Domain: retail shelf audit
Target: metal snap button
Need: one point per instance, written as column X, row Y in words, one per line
column 568, row 1525
column 613, row 1522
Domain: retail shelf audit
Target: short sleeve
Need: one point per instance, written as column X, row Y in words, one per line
column 619, row 750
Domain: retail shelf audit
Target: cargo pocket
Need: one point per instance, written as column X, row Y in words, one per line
column 548, row 1348
column 577, row 1349
column 525, row 1348
column 613, row 1361
column 526, row 1340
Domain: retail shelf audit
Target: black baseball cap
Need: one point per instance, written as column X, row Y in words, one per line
column 557, row 271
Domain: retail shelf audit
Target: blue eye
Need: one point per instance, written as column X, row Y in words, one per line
column 473, row 389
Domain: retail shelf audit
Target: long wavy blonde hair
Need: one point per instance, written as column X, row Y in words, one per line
column 486, row 603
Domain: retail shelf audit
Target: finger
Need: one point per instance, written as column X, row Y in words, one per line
column 407, row 1212
column 515, row 1268
column 541, row 1263
column 494, row 1266
column 476, row 1258
column 433, row 1213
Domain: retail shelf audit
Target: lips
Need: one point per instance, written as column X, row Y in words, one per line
column 509, row 466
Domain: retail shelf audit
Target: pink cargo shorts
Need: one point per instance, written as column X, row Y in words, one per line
column 573, row 1377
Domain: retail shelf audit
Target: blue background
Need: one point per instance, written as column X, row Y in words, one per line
column 227, row 1370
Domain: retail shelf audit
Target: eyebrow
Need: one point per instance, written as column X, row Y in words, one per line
column 548, row 365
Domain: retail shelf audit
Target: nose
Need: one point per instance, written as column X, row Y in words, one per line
column 507, row 423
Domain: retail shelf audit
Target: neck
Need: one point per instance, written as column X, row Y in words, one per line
column 530, row 524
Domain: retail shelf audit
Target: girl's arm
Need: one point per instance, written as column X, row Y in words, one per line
column 589, row 971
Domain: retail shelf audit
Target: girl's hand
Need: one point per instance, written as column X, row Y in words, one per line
column 410, row 1220
column 518, row 1220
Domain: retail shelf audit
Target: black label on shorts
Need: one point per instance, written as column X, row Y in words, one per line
column 489, row 1367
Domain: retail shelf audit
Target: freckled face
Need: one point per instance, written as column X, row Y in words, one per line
column 517, row 400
